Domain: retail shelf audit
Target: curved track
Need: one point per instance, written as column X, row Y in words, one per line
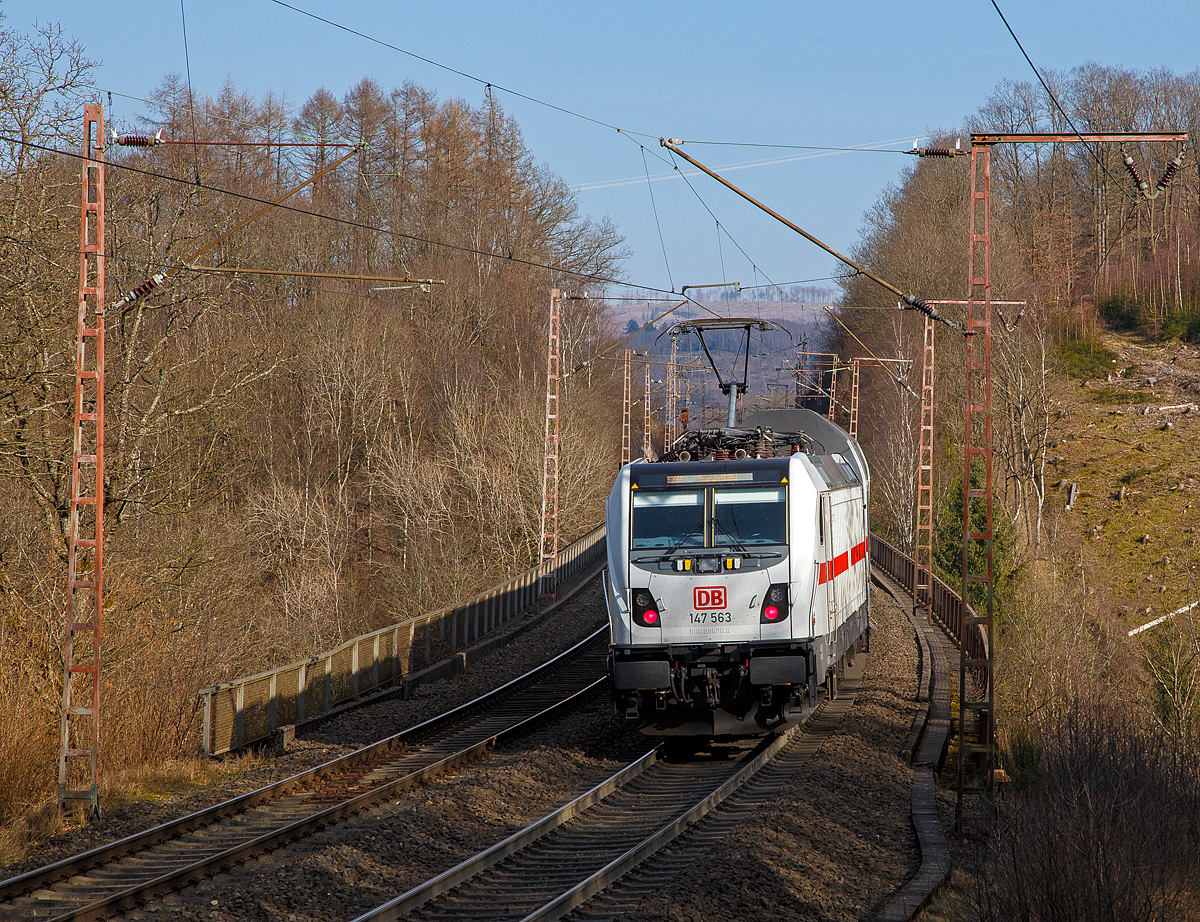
column 556, row 865
column 134, row 870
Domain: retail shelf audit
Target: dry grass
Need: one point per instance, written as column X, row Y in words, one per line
column 1115, row 444
column 1107, row 830
column 1100, row 788
column 26, row 824
column 148, row 712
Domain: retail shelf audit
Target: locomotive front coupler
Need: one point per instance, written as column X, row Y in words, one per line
column 630, row 711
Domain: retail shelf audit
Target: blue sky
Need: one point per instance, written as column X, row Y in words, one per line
column 859, row 74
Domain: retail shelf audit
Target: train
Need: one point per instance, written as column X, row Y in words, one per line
column 738, row 576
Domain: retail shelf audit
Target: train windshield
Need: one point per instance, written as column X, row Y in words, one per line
column 749, row 516
column 668, row 519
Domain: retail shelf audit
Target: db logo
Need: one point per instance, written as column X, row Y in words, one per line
column 708, row 597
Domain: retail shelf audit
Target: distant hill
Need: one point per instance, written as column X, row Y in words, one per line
column 803, row 325
column 800, row 312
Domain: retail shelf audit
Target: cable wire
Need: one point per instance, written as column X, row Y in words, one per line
column 721, row 251
column 823, row 278
column 346, row 222
column 460, row 73
column 661, row 242
column 191, row 96
column 1058, row 106
column 754, row 267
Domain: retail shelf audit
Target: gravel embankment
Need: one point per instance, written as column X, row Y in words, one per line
column 347, row 870
column 560, row 630
column 833, row 846
column 839, row 840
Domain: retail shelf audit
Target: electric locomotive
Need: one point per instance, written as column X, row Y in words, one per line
column 738, row 575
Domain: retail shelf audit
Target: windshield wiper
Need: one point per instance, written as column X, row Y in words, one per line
column 733, row 542
column 698, row 530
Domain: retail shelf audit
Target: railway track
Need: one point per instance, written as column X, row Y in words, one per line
column 135, row 870
column 558, row 864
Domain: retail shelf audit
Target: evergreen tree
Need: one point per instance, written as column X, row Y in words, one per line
column 948, row 543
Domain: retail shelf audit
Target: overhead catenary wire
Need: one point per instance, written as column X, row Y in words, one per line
column 661, row 241
column 191, row 96
column 911, row 300
column 148, row 285
column 153, row 282
column 453, row 70
column 883, row 363
column 1057, row 105
column 760, row 338
column 303, row 273
column 489, row 85
column 754, row 266
column 346, row 222
column 662, row 177
column 219, row 270
column 823, row 278
column 123, row 140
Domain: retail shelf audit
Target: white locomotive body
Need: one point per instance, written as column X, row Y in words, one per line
column 736, row 585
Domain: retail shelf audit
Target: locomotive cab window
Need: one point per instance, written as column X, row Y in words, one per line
column 668, row 519
column 744, row 517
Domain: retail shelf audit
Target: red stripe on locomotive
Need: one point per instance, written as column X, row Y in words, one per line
column 841, row 563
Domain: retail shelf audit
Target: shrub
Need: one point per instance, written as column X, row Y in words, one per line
column 1185, row 326
column 1107, row 830
column 948, row 542
column 1123, row 312
column 1086, row 359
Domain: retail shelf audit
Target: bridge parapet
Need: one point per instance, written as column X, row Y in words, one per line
column 249, row 710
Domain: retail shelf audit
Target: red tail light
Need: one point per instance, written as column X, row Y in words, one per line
column 645, row 608
column 775, row 604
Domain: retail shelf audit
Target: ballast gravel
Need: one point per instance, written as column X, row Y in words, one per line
column 839, row 839
column 559, row 630
column 834, row 845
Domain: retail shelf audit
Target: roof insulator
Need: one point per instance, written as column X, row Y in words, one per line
column 1173, row 166
column 138, row 140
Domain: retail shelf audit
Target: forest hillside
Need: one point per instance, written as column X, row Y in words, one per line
column 1094, row 387
column 290, row 460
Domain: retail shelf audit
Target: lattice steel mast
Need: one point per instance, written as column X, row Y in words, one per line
column 80, row 724
column 647, row 448
column 978, row 571
column 626, row 414
column 549, row 540
column 923, row 572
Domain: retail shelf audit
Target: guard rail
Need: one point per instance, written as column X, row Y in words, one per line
column 946, row 605
column 249, row 710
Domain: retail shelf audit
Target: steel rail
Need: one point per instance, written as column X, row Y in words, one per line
column 448, row 880
column 550, row 833
column 614, row 870
column 456, row 720
column 183, row 876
